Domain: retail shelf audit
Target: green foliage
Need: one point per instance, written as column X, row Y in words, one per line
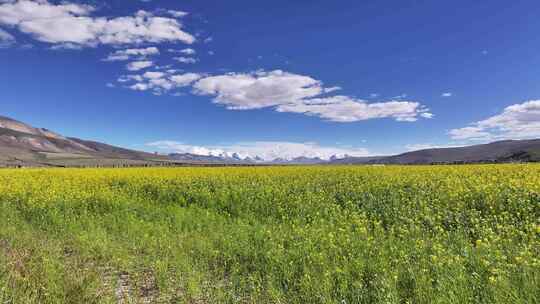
column 439, row 234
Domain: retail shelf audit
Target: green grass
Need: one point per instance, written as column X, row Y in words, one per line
column 442, row 234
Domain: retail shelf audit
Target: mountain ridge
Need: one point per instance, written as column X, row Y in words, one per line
column 22, row 145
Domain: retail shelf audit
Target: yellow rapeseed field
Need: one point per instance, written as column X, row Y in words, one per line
column 320, row 234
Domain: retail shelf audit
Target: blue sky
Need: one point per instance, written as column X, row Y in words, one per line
column 276, row 78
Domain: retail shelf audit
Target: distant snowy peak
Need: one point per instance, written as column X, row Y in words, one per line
column 238, row 158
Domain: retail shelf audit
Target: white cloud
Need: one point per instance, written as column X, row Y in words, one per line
column 72, row 23
column 267, row 150
column 177, row 14
column 447, row 94
column 346, row 109
column 6, row 39
column 187, row 51
column 16, row 12
column 184, row 80
column 159, row 82
column 187, row 60
column 153, row 75
column 66, row 46
column 295, row 93
column 470, row 133
column 427, row 115
column 259, row 89
column 140, row 87
column 126, row 78
column 402, row 96
column 122, row 55
column 139, row 65
column 515, row 122
column 331, row 89
column 416, row 147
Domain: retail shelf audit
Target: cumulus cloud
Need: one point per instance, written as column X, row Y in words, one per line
column 159, row 82
column 72, row 23
column 16, row 12
column 139, row 65
column 6, row 39
column 122, row 55
column 187, row 60
column 288, row 92
column 267, row 150
column 259, row 89
column 346, row 109
column 517, row 121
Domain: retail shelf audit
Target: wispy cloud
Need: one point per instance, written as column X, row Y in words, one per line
column 425, row 146
column 447, row 94
column 127, row 54
column 6, row 39
column 186, row 51
column 187, row 60
column 398, row 97
column 177, row 14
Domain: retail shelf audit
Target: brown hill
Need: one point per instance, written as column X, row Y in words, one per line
column 25, row 145
column 500, row 151
column 496, row 152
